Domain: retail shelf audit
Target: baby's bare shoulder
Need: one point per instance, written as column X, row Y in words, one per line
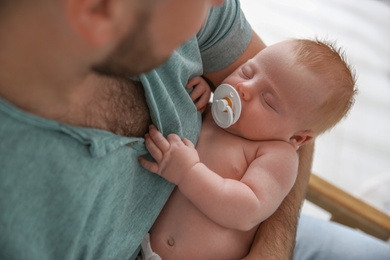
column 277, row 147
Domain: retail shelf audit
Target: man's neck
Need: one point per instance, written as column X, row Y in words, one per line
column 27, row 88
column 115, row 105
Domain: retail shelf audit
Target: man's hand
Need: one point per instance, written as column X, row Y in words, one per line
column 174, row 157
column 201, row 92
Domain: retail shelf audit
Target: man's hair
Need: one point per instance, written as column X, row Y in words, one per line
column 329, row 62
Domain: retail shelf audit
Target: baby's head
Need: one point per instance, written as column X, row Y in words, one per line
column 327, row 62
column 292, row 91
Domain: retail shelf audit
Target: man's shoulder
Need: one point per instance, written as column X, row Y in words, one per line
column 226, row 29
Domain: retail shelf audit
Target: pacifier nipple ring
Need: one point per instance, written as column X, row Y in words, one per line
column 222, row 105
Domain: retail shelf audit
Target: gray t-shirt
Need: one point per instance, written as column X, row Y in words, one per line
column 80, row 193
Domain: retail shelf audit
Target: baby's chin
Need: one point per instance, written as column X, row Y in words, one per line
column 234, row 130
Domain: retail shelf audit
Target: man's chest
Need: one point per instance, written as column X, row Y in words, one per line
column 113, row 105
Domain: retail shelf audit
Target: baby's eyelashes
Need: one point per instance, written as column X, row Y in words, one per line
column 247, row 72
column 270, row 101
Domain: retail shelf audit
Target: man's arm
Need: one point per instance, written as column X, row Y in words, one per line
column 275, row 238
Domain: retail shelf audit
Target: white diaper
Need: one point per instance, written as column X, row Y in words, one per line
column 147, row 252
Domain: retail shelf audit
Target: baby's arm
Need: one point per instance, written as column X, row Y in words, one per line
column 201, row 92
column 233, row 204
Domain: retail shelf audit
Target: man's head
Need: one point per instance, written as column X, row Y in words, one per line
column 161, row 26
column 158, row 28
column 289, row 96
column 113, row 37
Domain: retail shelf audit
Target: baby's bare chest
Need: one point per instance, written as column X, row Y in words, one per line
column 226, row 155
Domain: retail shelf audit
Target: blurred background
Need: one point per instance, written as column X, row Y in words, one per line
column 354, row 156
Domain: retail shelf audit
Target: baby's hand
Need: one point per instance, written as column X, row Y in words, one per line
column 174, row 157
column 201, row 92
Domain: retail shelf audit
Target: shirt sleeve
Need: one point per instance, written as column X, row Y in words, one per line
column 224, row 37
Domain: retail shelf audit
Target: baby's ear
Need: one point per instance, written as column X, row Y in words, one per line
column 300, row 138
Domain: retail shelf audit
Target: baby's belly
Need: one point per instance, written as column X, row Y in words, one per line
column 183, row 232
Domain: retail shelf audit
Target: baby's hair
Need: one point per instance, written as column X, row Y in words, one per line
column 329, row 62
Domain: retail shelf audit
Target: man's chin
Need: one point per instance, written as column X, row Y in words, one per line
column 121, row 71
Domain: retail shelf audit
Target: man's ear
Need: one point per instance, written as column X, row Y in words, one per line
column 300, row 138
column 99, row 22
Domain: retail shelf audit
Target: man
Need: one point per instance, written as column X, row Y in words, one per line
column 60, row 194
column 70, row 184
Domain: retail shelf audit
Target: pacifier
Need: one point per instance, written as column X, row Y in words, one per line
column 226, row 106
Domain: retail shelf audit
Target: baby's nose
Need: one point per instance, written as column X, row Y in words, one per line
column 243, row 91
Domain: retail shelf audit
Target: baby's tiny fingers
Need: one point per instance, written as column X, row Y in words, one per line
column 202, row 102
column 173, row 138
column 188, row 143
column 154, row 151
column 158, row 139
column 193, row 82
column 197, row 92
column 148, row 165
